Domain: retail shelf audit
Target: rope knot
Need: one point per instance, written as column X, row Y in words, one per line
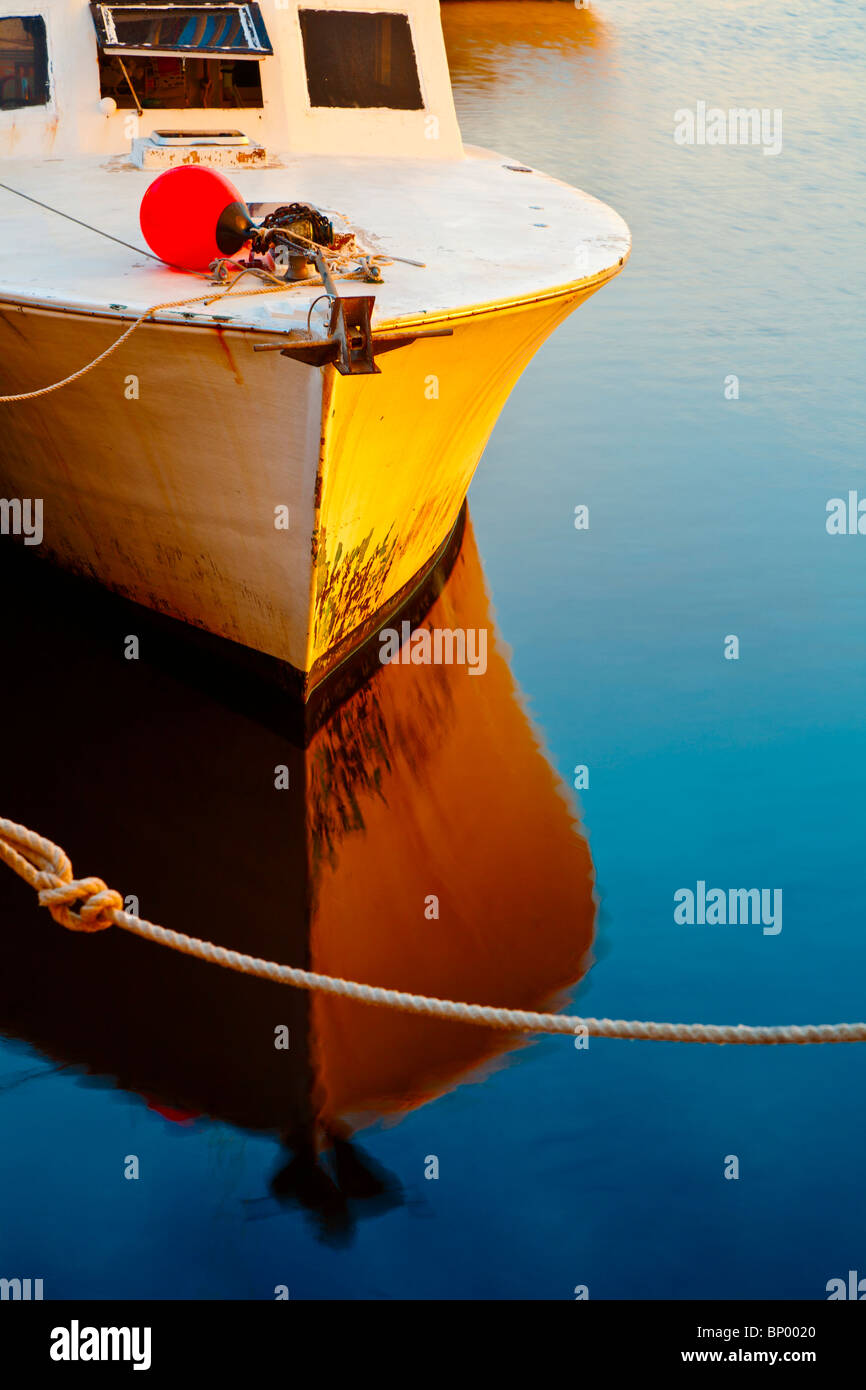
column 98, row 903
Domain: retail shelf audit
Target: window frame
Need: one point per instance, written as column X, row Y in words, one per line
column 48, row 87
column 310, row 6
column 250, row 15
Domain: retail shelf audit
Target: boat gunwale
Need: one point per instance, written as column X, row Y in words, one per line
column 193, row 319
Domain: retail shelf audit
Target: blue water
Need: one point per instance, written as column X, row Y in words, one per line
column 605, row 1167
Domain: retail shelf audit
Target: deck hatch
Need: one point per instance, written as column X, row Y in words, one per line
column 360, row 59
column 23, row 62
column 236, row 30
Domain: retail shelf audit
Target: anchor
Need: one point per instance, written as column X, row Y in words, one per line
column 351, row 344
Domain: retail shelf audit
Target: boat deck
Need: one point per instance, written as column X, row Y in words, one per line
column 486, row 232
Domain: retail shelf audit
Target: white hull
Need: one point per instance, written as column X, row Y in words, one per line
column 169, row 498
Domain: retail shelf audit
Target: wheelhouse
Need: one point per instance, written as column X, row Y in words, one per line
column 338, row 77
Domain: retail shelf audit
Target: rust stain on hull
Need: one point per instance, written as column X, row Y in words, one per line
column 229, row 356
column 349, row 588
column 10, row 325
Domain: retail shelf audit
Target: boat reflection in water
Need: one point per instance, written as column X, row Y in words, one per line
column 423, row 843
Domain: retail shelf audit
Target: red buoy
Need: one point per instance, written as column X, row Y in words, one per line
column 192, row 215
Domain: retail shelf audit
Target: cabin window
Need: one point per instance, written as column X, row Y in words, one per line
column 181, row 57
column 357, row 59
column 144, row 29
column 23, row 63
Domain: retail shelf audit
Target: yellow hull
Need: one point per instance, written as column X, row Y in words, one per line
column 399, row 452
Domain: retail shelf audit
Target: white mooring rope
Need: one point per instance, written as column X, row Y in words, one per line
column 209, row 297
column 46, row 868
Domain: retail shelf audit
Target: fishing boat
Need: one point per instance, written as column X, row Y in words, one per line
column 368, row 865
column 279, row 451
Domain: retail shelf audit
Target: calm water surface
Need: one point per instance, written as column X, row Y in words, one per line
column 557, row 1167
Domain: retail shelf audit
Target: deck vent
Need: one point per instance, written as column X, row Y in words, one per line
column 219, row 149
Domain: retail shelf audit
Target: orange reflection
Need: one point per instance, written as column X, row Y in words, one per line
column 457, row 803
column 425, row 783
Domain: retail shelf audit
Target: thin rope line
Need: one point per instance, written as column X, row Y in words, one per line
column 209, row 297
column 140, row 250
column 47, row 868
